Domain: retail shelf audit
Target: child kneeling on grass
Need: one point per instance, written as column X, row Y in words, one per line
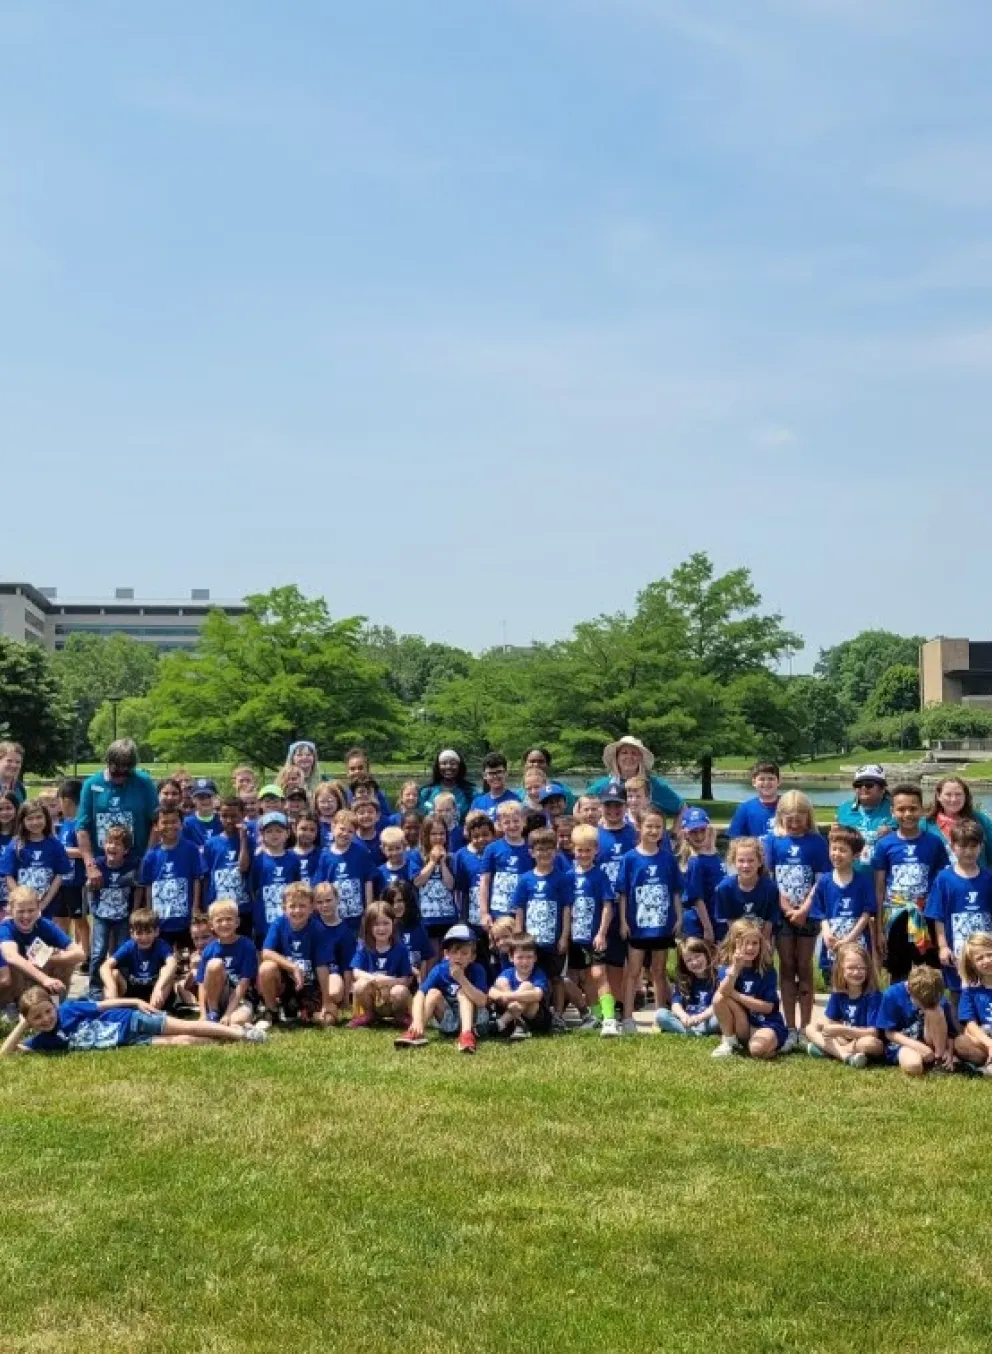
column 92, row 1026
column 849, row 1028
column 746, row 999
column 453, row 993
column 918, row 1023
column 522, row 994
column 380, row 971
column 695, row 983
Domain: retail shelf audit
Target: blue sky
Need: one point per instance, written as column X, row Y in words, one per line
column 470, row 313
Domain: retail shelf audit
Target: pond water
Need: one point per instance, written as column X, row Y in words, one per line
column 735, row 791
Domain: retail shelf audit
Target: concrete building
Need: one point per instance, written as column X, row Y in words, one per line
column 956, row 672
column 40, row 616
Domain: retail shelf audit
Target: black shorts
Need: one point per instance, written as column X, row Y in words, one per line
column 540, row 1023
column 179, row 940
column 901, row 954
column 70, row 902
column 304, row 1002
column 808, row 931
column 582, row 957
column 246, row 925
column 653, row 945
column 551, row 963
column 437, row 929
column 139, row 991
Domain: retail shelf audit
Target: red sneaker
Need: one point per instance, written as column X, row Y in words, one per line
column 361, row 1022
column 466, row 1043
column 412, row 1039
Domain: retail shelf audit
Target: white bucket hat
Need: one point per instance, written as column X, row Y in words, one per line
column 611, row 749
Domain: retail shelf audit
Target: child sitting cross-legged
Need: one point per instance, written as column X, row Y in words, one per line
column 521, row 993
column 974, row 1043
column 695, row 984
column 36, row 951
column 849, row 1030
column 918, row 1022
column 294, row 975
column 89, row 1026
column 144, row 967
column 380, row 972
column 746, row 999
column 453, row 993
column 227, row 969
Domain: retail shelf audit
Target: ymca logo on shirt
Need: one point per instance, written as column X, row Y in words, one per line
column 746, row 986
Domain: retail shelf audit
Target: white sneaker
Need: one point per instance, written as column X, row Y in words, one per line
column 727, row 1047
column 256, row 1034
column 611, row 1029
column 629, row 1025
column 791, row 1042
column 857, row 1060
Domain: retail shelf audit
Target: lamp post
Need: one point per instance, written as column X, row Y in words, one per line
column 114, row 702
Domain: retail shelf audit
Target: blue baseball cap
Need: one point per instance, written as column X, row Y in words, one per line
column 552, row 791
column 274, row 819
column 203, row 786
column 613, row 792
column 694, row 818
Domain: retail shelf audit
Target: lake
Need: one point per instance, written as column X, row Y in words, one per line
column 735, row 791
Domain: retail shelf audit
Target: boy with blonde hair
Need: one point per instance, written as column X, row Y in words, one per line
column 227, row 969
column 35, row 951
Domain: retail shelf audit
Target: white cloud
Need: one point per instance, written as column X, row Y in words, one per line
column 774, row 436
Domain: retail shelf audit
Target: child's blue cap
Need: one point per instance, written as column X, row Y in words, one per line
column 203, row 786
column 552, row 791
column 275, row 819
column 613, row 792
column 694, row 818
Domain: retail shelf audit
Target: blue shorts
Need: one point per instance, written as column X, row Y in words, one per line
column 776, row 1026
column 142, row 1028
column 450, row 1021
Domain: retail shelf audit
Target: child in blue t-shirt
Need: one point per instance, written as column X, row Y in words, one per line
column 918, row 1023
column 227, row 858
column 542, row 904
column 649, row 896
column 273, row 870
column 340, row 943
column 9, row 805
column 294, row 974
column 960, row 901
column 348, row 866
column 974, row 1043
column 436, row 879
column 692, row 1001
column 172, row 877
column 593, row 905
column 469, row 865
column 396, row 861
column 796, row 855
column 71, row 897
column 849, row 1028
column 35, row 858
column 227, row 970
column 453, row 993
column 521, row 995
column 307, row 847
column 144, row 967
column 749, row 891
column 401, row 899
column 746, row 999
column 494, row 769
column 380, row 972
column 756, row 817
column 905, row 864
column 504, row 861
column 35, row 950
column 94, row 1026
column 110, row 901
column 204, row 822
column 843, row 900
column 702, row 871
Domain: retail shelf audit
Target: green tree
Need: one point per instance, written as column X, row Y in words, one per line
column 283, row 670
column 896, row 691
column 33, row 709
column 488, row 707
column 856, row 666
column 818, row 713
column 413, row 666
column 92, row 668
column 135, row 717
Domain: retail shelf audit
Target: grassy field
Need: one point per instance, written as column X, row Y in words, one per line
column 325, row 1192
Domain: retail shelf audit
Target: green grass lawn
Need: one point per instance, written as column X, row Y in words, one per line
column 326, row 1192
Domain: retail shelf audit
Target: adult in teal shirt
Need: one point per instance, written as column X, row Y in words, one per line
column 627, row 759
column 120, row 794
column 870, row 811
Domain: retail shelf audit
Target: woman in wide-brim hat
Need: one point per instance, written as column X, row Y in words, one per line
column 628, row 758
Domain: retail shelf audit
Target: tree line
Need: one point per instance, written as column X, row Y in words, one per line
column 695, row 669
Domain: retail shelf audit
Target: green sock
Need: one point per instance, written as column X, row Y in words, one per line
column 608, row 1008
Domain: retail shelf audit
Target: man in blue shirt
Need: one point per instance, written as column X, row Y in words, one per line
column 119, row 794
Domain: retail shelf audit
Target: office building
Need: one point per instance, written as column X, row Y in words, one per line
column 956, row 672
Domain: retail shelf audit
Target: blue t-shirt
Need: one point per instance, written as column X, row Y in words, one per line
column 861, row 1012
column 339, row 944
column 505, row 862
column 537, row 979
column 976, row 1006
column 468, row 876
column 488, row 804
column 199, row 830
column 240, row 960
column 270, row 877
column 698, row 998
column 310, row 864
column 614, row 843
column 910, row 868
column 170, row 872
column 348, row 871
column 111, row 900
column 66, row 833
column 224, row 878
column 752, row 818
column 141, row 967
column 843, row 905
column 394, row 962
column 132, row 804
column 438, row 903
column 83, row 1028
column 702, row 875
column 650, row 884
column 964, row 907
column 35, row 864
column 308, row 948
column 759, row 904
column 897, row 1012
column 387, row 874
column 440, row 979
column 44, row 930
column 591, row 889
column 372, row 846
column 417, row 941
column 751, row 982
column 795, row 862
column 543, row 898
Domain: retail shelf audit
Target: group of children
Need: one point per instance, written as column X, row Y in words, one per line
column 310, row 903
